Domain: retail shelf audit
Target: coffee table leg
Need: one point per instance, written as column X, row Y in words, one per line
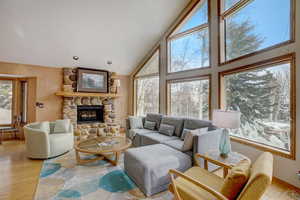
column 114, row 161
column 85, row 161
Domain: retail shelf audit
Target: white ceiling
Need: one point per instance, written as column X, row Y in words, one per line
column 50, row 33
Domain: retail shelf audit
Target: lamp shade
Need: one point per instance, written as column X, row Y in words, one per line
column 226, row 119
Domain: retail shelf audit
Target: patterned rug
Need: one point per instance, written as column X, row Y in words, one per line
column 62, row 179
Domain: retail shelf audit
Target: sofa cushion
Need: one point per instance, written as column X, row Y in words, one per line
column 156, row 138
column 152, row 117
column 136, row 135
column 176, row 144
column 184, row 132
column 189, row 137
column 192, row 124
column 174, row 121
column 150, row 125
column 166, row 129
column 135, row 122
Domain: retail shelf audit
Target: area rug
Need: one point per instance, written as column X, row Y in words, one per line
column 62, row 179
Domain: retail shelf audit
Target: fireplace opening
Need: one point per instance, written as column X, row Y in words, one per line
column 90, row 114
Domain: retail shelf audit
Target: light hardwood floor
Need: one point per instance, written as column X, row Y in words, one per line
column 19, row 176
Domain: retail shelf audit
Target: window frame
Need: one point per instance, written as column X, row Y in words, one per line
column 221, row 28
column 13, row 109
column 288, row 58
column 190, row 31
column 189, row 79
column 157, row 49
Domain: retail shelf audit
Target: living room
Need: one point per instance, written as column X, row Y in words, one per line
column 174, row 99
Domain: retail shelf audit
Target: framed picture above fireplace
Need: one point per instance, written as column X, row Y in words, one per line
column 92, row 80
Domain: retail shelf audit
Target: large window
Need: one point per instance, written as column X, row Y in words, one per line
column 264, row 95
column 248, row 26
column 146, row 84
column 6, row 99
column 189, row 98
column 189, row 44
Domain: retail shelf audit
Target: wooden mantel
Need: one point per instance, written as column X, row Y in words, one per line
column 85, row 94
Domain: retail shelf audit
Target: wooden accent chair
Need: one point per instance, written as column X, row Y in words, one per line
column 200, row 184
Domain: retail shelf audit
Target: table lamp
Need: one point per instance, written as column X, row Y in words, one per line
column 225, row 120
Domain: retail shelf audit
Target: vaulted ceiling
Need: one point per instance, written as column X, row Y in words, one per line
column 50, row 33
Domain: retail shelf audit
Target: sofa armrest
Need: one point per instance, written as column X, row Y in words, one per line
column 206, row 142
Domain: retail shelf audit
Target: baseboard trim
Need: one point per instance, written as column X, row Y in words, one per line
column 288, row 185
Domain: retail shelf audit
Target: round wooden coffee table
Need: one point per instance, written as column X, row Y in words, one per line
column 108, row 148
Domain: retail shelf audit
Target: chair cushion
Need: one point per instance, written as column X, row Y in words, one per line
column 152, row 117
column 192, row 124
column 62, row 126
column 135, row 122
column 44, row 126
column 236, row 179
column 150, row 125
column 260, row 178
column 174, row 121
column 166, row 129
column 156, row 138
column 189, row 137
column 188, row 190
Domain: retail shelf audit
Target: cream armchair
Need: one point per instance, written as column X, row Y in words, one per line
column 42, row 143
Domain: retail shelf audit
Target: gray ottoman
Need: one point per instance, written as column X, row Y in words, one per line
column 148, row 166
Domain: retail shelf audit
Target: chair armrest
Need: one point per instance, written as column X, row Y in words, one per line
column 208, row 159
column 215, row 193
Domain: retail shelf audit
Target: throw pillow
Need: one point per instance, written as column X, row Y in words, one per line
column 166, row 129
column 150, row 125
column 135, row 122
column 62, row 126
column 236, row 179
column 188, row 139
column 184, row 132
column 44, row 126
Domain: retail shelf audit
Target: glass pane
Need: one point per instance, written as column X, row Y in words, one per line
column 151, row 67
column 6, row 92
column 258, row 25
column 263, row 97
column 199, row 17
column 147, row 95
column 229, row 3
column 190, row 99
column 190, row 51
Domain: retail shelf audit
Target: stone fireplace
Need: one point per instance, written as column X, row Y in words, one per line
column 90, row 115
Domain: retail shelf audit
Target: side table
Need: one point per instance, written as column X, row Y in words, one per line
column 8, row 129
column 214, row 157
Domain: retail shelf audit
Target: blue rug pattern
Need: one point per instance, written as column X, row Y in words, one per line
column 62, row 179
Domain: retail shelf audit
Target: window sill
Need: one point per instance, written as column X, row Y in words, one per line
column 262, row 147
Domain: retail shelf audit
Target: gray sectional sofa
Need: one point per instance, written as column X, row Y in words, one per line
column 158, row 152
column 143, row 137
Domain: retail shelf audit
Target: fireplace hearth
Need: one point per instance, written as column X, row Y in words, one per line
column 90, row 114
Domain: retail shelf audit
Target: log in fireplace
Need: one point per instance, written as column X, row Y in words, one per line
column 90, row 114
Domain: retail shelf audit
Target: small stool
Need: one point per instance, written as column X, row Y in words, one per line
column 148, row 166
